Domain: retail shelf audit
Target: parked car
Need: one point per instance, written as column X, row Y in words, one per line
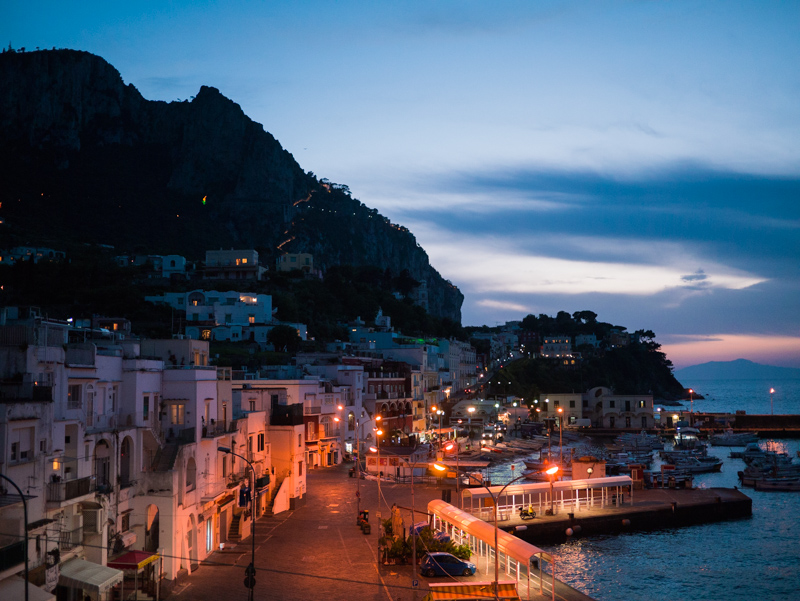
column 445, row 564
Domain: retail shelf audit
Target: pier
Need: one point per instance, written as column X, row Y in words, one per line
column 650, row 509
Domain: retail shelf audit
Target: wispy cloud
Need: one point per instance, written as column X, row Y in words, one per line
column 503, row 305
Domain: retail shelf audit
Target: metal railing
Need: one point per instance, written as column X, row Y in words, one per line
column 70, row 539
column 71, row 489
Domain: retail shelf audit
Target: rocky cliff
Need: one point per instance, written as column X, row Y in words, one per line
column 86, row 158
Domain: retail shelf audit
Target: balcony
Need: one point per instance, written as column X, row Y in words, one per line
column 312, row 409
column 217, row 429
column 59, row 492
column 70, row 539
column 25, row 392
column 12, row 555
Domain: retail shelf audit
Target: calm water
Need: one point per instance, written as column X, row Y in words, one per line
column 756, row 558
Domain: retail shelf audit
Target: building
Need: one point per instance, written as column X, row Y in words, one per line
column 296, row 262
column 232, row 265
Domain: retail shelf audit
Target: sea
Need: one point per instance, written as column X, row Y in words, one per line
column 753, row 558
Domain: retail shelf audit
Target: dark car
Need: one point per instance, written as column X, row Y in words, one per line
column 445, row 564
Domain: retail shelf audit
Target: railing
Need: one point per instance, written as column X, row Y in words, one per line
column 312, row 410
column 64, row 491
column 70, row 539
column 215, row 429
column 12, row 555
column 107, row 421
column 212, row 489
column 26, row 391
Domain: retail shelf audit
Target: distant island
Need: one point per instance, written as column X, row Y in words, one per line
column 740, row 369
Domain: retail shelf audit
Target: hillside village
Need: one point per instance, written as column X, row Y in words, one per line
column 124, row 444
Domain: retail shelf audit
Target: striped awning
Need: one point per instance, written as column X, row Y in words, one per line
column 471, row 591
column 82, row 574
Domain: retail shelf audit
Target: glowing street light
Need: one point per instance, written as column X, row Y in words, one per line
column 552, row 473
column 771, row 407
column 691, row 407
column 560, row 446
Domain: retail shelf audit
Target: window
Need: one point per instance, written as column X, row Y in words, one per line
column 556, row 404
column 176, row 414
column 112, row 396
column 585, row 404
column 125, row 522
column 22, row 444
column 611, row 404
column 627, row 405
column 251, row 318
column 299, row 440
column 572, row 404
column 74, row 397
column 146, row 407
column 261, row 441
column 642, row 404
column 191, row 474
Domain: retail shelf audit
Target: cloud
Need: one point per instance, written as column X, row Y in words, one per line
column 504, row 305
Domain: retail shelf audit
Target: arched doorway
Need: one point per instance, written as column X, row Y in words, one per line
column 191, row 543
column 102, row 466
column 126, row 468
column 151, row 538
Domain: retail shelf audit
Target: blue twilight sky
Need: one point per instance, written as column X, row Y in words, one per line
column 637, row 159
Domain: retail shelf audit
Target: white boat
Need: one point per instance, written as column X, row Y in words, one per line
column 698, row 465
column 733, row 439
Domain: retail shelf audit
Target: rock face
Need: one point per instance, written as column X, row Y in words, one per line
column 86, row 157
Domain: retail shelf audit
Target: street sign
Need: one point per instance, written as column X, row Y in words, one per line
column 415, row 583
column 250, row 581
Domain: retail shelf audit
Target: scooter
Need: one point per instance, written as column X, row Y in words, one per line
column 526, row 514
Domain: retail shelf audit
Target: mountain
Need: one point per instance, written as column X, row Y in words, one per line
column 740, row 369
column 85, row 159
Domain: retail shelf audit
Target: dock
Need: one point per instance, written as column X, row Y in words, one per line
column 651, row 509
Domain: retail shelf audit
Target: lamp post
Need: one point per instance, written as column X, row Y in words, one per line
column 495, row 499
column 560, row 446
column 691, row 407
column 771, row 407
column 250, row 571
column 552, row 473
column 450, row 447
column 378, row 434
column 25, row 525
column 470, row 411
column 413, row 512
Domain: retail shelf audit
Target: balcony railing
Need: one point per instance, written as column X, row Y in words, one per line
column 70, row 539
column 12, row 555
column 71, row 489
column 312, row 409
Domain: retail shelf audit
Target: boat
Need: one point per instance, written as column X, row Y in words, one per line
column 778, row 484
column 698, row 465
column 733, row 439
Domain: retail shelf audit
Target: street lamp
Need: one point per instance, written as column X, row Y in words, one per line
column 449, row 447
column 560, row 446
column 470, row 411
column 691, row 407
column 250, row 571
column 378, row 434
column 552, row 473
column 495, row 499
column 771, row 407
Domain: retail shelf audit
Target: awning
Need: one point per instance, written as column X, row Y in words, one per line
column 14, row 588
column 459, row 591
column 82, row 574
column 133, row 560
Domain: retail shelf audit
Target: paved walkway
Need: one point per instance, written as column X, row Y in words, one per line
column 317, row 551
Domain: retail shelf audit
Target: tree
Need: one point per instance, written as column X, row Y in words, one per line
column 284, row 338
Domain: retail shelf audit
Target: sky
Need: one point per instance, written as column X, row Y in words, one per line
column 636, row 159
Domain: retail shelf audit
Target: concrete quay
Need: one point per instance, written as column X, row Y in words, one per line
column 650, row 509
column 316, row 551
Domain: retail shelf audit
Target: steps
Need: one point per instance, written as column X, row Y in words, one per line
column 164, row 460
column 235, row 529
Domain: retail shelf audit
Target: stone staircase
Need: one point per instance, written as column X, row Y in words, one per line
column 235, row 529
column 164, row 460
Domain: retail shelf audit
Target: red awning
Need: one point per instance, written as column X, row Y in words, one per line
column 133, row 560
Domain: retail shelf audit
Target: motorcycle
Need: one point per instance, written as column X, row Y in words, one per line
column 526, row 514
